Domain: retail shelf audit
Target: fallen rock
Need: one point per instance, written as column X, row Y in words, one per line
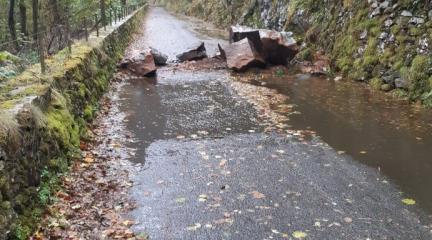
column 222, row 53
column 142, row 65
column 242, row 55
column 406, row 13
column 275, row 47
column 278, row 47
column 402, row 83
column 160, row 59
column 195, row 53
column 416, row 20
column 238, row 33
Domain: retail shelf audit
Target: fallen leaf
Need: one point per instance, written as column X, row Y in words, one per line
column 409, row 201
column 89, row 159
column 128, row 223
column 202, row 198
column 222, row 162
column 299, row 234
column 257, row 195
column 180, row 200
column 194, row 227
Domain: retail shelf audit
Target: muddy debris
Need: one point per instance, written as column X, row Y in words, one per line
column 242, row 55
column 160, row 59
column 196, row 52
column 318, row 66
column 143, row 64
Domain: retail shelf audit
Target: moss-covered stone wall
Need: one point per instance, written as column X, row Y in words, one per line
column 387, row 43
column 38, row 139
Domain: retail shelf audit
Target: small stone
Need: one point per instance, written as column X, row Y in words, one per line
column 401, row 83
column 386, row 87
column 388, row 23
column 2, row 165
column 430, row 14
column 348, row 220
column 363, row 35
column 385, row 4
column 376, row 12
column 374, row 5
column 383, row 35
column 416, row 20
column 406, row 13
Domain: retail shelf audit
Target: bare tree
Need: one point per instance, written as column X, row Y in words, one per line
column 103, row 13
column 23, row 17
column 11, row 23
column 35, row 12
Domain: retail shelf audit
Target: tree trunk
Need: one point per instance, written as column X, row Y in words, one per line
column 11, row 23
column 103, row 13
column 23, row 17
column 35, row 8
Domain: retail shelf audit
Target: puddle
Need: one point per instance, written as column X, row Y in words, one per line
column 392, row 136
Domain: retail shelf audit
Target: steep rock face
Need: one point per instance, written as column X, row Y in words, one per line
column 386, row 39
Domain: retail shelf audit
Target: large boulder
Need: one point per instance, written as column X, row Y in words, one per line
column 141, row 65
column 238, row 33
column 159, row 58
column 242, row 55
column 278, row 47
column 275, row 47
column 194, row 53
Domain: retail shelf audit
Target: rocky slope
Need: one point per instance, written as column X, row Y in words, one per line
column 386, row 43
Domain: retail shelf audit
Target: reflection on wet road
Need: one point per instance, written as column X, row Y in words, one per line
column 391, row 136
column 210, row 171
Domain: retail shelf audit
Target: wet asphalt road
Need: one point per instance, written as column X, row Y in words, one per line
column 211, row 172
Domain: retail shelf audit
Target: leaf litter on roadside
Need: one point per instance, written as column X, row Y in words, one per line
column 94, row 193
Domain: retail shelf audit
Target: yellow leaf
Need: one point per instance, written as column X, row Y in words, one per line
column 89, row 160
column 222, row 163
column 128, row 223
column 299, row 234
column 257, row 195
column 409, row 201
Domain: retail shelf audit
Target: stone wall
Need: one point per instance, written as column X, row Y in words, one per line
column 387, row 43
column 39, row 139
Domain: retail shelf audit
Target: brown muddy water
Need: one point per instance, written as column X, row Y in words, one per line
column 392, row 136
